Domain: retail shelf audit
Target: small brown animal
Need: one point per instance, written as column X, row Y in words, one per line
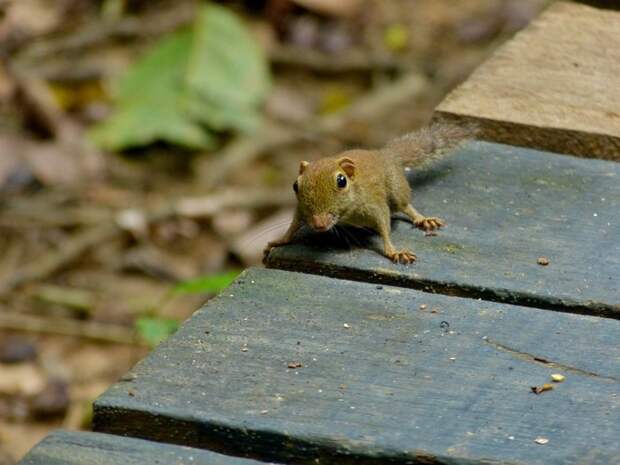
column 364, row 188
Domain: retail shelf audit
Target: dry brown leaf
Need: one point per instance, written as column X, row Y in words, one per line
column 30, row 17
column 23, row 379
column 12, row 165
column 51, row 165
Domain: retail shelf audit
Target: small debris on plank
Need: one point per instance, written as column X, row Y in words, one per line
column 423, row 307
column 540, row 440
column 294, row 365
column 444, row 325
column 544, row 261
column 347, row 326
column 435, row 310
column 244, row 349
column 557, row 378
column 541, row 389
column 264, row 412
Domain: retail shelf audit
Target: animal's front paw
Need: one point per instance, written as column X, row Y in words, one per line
column 402, row 256
column 430, row 223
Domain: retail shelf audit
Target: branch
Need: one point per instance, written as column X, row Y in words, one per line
column 52, row 261
column 74, row 247
column 69, row 327
column 372, row 107
column 352, row 61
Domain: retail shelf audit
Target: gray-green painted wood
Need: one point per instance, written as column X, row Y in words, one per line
column 505, row 207
column 382, row 381
column 70, row 448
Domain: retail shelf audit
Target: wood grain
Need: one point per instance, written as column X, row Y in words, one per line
column 376, row 380
column 505, row 207
column 65, row 448
column 555, row 86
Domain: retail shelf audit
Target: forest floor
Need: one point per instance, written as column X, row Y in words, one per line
column 94, row 244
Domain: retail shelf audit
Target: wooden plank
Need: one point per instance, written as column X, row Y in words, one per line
column 380, row 380
column 505, row 207
column 65, row 448
column 555, row 86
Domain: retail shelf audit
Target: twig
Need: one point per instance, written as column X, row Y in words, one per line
column 95, row 34
column 79, row 244
column 211, row 204
column 68, row 327
column 52, row 261
column 353, row 61
column 242, row 150
column 79, row 300
column 369, row 108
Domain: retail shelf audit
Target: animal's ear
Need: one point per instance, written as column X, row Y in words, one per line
column 347, row 165
column 302, row 166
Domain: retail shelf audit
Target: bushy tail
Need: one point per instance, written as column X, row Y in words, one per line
column 428, row 144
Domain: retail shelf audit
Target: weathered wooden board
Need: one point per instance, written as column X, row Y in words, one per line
column 555, row 86
column 381, row 381
column 65, row 448
column 505, row 207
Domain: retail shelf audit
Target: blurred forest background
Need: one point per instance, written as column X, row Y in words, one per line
column 147, row 151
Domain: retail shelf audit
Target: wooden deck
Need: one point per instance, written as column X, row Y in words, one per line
column 338, row 356
column 505, row 207
column 555, row 86
column 292, row 367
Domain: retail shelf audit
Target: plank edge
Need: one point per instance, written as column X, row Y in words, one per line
column 549, row 139
column 500, row 295
column 110, row 417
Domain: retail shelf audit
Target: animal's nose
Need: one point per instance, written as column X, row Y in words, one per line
column 321, row 222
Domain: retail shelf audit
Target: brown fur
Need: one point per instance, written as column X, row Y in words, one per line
column 376, row 186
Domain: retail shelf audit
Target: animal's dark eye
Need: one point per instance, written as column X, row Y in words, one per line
column 341, row 180
column 295, row 187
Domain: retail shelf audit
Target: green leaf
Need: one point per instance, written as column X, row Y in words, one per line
column 226, row 66
column 212, row 77
column 154, row 330
column 151, row 104
column 210, row 284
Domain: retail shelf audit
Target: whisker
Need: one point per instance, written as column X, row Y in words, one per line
column 268, row 230
column 343, row 233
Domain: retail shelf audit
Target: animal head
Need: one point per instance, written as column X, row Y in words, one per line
column 325, row 190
